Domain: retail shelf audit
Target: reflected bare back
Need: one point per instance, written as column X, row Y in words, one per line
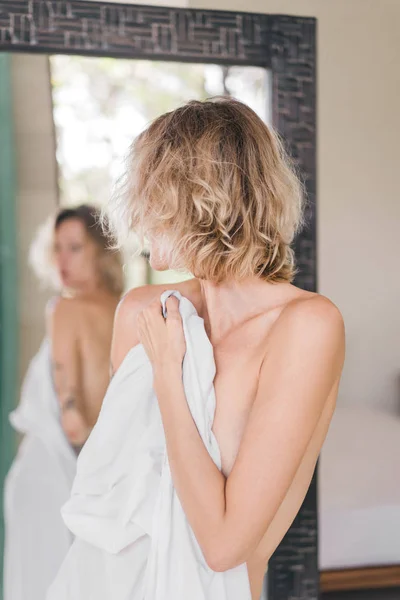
column 81, row 332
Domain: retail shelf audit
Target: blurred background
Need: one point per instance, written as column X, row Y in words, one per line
column 73, row 119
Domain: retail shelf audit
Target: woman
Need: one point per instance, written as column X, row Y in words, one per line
column 61, row 396
column 211, row 188
column 216, row 196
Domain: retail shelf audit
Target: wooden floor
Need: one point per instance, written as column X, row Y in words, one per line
column 387, row 594
column 367, row 578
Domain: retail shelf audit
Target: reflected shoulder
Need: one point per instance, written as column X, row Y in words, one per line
column 63, row 309
column 63, row 318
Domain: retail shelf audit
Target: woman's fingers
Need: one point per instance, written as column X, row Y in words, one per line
column 172, row 306
column 175, row 328
column 151, row 315
column 154, row 309
column 162, row 338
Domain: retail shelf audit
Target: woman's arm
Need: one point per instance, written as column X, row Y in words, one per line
column 63, row 323
column 302, row 364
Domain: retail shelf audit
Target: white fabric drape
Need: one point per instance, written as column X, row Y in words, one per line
column 133, row 541
column 37, row 485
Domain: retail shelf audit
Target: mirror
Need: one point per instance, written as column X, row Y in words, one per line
column 74, row 119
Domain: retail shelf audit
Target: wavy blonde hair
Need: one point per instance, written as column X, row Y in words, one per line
column 214, row 180
column 41, row 255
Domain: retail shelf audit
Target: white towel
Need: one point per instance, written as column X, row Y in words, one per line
column 37, row 485
column 133, row 541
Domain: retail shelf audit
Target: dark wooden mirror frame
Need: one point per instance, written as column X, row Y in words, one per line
column 286, row 46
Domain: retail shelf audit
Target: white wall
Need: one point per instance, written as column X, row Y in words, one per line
column 358, row 189
column 36, row 186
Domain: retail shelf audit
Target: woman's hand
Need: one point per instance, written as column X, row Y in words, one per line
column 162, row 339
column 74, row 425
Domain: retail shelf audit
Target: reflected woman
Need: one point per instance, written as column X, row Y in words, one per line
column 61, row 395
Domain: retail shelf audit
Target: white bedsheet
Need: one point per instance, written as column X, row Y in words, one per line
column 359, row 491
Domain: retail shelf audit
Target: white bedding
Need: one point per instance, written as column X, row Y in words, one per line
column 359, row 491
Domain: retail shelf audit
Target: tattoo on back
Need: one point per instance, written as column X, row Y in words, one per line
column 58, row 375
column 68, row 404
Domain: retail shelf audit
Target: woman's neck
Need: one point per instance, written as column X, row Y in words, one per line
column 226, row 305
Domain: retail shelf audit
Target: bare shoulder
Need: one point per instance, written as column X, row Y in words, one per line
column 314, row 311
column 138, row 298
column 125, row 329
column 134, row 301
column 310, row 323
column 305, row 351
column 62, row 312
column 125, row 323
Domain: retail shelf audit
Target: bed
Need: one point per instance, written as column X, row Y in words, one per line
column 359, row 501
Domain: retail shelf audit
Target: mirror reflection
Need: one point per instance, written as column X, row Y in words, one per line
column 72, row 133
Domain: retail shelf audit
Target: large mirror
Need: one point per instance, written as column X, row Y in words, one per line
column 86, row 113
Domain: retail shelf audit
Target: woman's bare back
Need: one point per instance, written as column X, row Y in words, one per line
column 81, row 333
column 239, row 354
column 95, row 335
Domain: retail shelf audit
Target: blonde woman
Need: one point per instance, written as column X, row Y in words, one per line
column 61, row 396
column 211, row 188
